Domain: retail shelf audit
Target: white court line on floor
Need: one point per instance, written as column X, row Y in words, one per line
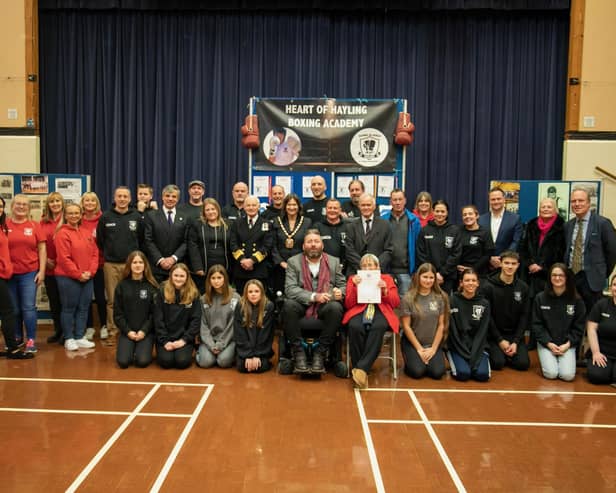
column 96, row 459
column 118, row 382
column 437, row 443
column 90, row 411
column 374, row 463
column 492, row 391
column 491, row 423
column 180, row 443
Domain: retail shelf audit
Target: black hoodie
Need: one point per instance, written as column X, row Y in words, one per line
column 440, row 246
column 558, row 319
column 510, row 316
column 468, row 327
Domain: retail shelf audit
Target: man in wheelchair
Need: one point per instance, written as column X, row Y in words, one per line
column 314, row 289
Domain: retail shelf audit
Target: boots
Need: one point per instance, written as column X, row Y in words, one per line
column 318, row 361
column 299, row 359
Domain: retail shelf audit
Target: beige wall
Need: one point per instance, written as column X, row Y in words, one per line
column 580, row 159
column 13, row 62
column 19, row 154
column 598, row 80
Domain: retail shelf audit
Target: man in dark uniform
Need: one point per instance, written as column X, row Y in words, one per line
column 251, row 244
column 315, row 207
column 235, row 210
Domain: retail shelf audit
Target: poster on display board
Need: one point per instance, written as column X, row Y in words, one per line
column 344, row 135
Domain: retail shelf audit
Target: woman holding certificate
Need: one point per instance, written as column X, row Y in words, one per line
column 370, row 301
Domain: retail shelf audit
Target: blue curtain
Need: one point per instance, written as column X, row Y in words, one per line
column 158, row 97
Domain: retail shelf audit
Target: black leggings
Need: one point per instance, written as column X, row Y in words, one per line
column 139, row 353
column 365, row 344
column 7, row 315
column 414, row 366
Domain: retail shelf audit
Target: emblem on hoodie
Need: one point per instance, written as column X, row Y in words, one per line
column 143, row 294
column 570, row 309
column 473, row 240
column 478, row 311
column 448, row 241
column 132, row 225
column 517, row 296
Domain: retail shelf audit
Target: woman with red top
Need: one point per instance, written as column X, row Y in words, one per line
column 423, row 208
column 7, row 311
column 76, row 265
column 29, row 257
column 368, row 322
column 52, row 219
column 91, row 206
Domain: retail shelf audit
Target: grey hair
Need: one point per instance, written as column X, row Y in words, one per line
column 171, row 188
column 370, row 256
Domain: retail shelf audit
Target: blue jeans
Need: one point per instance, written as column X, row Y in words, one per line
column 462, row 371
column 403, row 281
column 75, row 298
column 23, row 292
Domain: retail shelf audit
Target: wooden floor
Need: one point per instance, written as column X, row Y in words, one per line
column 75, row 422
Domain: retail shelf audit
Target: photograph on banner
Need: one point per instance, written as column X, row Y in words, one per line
column 334, row 134
column 512, row 194
column 35, row 184
column 559, row 191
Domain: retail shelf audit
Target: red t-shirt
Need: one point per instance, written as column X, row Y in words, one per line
column 6, row 267
column 49, row 230
column 23, row 245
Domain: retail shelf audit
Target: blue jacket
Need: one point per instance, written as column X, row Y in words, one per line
column 414, row 229
column 509, row 233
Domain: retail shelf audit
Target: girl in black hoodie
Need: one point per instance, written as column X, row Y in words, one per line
column 438, row 244
column 468, row 331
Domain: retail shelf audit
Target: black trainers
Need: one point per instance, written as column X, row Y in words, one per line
column 19, row 354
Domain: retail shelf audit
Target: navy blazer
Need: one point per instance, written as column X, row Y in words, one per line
column 599, row 249
column 509, row 233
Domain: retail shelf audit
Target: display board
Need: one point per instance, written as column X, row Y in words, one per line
column 338, row 139
column 523, row 196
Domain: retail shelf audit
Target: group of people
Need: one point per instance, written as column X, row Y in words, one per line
column 199, row 278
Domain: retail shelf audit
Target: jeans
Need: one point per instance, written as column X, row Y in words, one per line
column 553, row 366
column 75, row 297
column 403, row 281
column 23, row 291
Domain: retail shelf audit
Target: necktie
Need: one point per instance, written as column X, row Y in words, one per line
column 578, row 248
column 170, row 217
column 368, row 226
column 250, row 223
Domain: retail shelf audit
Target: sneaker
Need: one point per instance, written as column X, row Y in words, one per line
column 17, row 354
column 83, row 342
column 104, row 332
column 71, row 345
column 30, row 346
column 89, row 335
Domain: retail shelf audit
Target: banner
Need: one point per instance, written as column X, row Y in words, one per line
column 335, row 135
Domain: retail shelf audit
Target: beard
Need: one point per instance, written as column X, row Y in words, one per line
column 313, row 254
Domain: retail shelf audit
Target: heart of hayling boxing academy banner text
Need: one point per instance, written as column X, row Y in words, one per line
column 333, row 134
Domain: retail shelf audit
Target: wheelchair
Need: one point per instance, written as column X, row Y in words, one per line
column 311, row 329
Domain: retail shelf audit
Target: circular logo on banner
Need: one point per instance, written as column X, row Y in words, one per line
column 369, row 147
column 282, row 146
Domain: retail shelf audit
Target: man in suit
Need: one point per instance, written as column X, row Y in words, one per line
column 590, row 249
column 314, row 288
column 505, row 226
column 371, row 234
column 165, row 233
column 251, row 241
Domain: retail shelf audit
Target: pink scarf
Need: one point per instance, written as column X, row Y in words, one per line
column 323, row 284
column 544, row 227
